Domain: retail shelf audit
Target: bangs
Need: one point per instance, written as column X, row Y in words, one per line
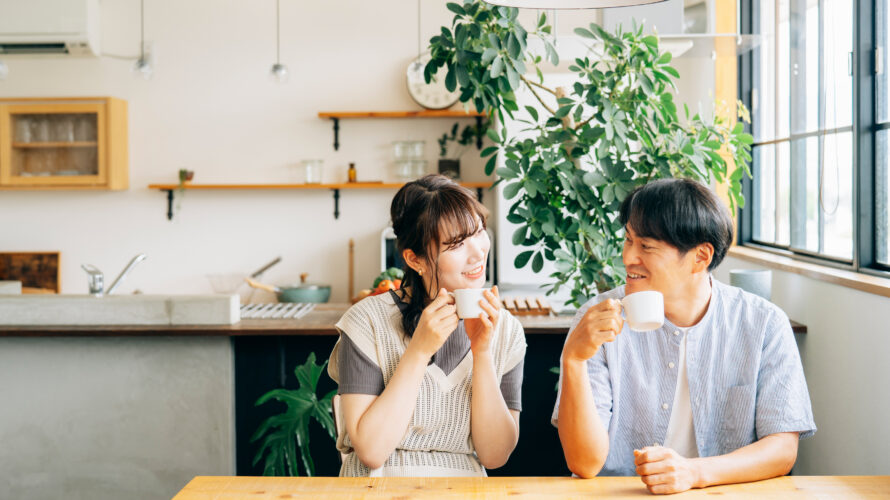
column 455, row 216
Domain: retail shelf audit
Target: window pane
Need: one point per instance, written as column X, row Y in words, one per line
column 837, row 194
column 838, row 32
column 882, row 197
column 783, row 194
column 805, row 66
column 882, row 38
column 764, row 203
column 805, row 194
column 764, row 102
column 783, row 69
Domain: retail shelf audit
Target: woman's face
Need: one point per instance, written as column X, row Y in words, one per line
column 462, row 265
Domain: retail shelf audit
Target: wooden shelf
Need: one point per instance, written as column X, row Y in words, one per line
column 37, row 145
column 171, row 188
column 336, row 116
column 426, row 113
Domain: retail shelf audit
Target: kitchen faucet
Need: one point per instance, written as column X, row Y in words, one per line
column 96, row 280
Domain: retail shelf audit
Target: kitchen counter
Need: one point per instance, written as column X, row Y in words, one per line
column 318, row 322
column 203, row 487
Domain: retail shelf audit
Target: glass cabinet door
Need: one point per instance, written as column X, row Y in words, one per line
column 55, row 144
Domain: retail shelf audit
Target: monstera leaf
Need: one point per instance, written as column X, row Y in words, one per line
column 286, row 432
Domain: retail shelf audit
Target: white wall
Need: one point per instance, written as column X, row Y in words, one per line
column 212, row 108
column 844, row 356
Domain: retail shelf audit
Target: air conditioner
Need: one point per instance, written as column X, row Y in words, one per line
column 49, row 27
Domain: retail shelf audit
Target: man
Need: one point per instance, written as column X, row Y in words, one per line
column 716, row 395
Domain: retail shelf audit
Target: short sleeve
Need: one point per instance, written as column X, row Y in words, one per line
column 357, row 326
column 783, row 401
column 597, row 373
column 511, row 387
column 358, row 373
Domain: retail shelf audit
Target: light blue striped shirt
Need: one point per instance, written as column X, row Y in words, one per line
column 745, row 379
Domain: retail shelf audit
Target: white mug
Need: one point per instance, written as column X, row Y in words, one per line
column 467, row 301
column 644, row 310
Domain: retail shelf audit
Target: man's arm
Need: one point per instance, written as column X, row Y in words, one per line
column 664, row 471
column 585, row 440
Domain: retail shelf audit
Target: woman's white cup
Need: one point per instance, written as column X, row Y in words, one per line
column 467, row 301
column 644, row 310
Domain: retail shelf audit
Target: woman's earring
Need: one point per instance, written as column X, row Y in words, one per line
column 420, row 272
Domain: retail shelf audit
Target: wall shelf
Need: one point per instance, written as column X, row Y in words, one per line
column 335, row 188
column 336, row 116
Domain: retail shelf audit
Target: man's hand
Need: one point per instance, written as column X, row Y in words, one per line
column 600, row 324
column 664, row 471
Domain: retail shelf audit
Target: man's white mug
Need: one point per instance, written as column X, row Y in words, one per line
column 467, row 300
column 644, row 310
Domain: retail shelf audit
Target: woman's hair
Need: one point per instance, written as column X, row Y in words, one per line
column 430, row 213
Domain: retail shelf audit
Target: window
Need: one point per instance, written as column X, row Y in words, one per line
column 817, row 87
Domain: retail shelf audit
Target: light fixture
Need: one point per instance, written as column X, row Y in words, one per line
column 279, row 71
column 570, row 4
column 144, row 66
column 4, row 70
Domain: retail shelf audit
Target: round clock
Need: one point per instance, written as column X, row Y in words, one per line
column 431, row 95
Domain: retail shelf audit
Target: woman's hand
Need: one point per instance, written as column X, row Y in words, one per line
column 436, row 323
column 479, row 329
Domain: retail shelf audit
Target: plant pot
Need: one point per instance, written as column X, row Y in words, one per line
column 450, row 168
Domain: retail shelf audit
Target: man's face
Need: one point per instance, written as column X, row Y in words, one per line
column 655, row 265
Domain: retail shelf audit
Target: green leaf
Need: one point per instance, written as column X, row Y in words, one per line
column 513, row 46
column 519, row 235
column 490, row 150
column 523, row 258
column 664, row 58
column 490, row 164
column 584, row 33
column 488, row 55
column 538, row 263
column 562, row 112
column 511, row 190
column 450, row 80
column 513, row 77
column 533, row 112
column 493, row 135
column 497, row 66
column 507, row 173
column 456, row 8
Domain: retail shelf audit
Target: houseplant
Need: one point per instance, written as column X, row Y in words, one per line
column 449, row 154
column 615, row 128
column 286, row 432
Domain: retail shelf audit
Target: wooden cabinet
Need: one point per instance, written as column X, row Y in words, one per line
column 63, row 143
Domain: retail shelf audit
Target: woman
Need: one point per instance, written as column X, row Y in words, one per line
column 422, row 392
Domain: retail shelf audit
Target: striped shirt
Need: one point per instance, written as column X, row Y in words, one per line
column 746, row 380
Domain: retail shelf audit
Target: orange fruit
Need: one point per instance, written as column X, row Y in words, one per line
column 385, row 285
column 397, row 284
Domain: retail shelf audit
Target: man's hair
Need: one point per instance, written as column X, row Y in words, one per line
column 681, row 212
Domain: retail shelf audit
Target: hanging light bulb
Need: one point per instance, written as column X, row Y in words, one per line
column 144, row 66
column 279, row 72
column 570, row 4
column 4, row 70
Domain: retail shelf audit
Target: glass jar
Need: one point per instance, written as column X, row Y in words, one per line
column 313, row 171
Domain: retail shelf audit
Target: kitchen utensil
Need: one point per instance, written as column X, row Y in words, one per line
column 304, row 292
column 256, row 274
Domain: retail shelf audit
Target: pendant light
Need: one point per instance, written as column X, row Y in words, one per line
column 144, row 66
column 279, row 71
column 570, row 4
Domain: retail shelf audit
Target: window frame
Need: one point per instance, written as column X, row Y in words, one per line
column 864, row 131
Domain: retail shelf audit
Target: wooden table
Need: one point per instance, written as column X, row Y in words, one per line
column 329, row 488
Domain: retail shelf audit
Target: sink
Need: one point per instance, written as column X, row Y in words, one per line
column 119, row 310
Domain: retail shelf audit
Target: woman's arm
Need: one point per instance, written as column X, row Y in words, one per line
column 494, row 427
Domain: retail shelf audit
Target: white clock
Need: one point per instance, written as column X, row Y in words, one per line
column 431, row 95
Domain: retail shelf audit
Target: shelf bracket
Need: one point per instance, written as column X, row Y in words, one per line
column 479, row 137
column 336, row 203
column 336, row 133
column 479, row 194
column 169, row 204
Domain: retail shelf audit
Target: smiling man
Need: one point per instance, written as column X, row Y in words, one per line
column 717, row 395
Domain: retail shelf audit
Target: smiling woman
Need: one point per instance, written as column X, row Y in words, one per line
column 425, row 393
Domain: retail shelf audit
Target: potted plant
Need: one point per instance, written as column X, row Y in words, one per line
column 449, row 154
column 287, row 432
column 615, row 128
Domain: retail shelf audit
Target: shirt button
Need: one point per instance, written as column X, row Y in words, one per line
column 665, row 406
column 671, row 364
column 676, row 333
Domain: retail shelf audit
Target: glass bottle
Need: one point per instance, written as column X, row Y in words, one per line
column 351, row 172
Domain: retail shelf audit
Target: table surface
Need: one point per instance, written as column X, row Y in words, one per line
column 232, row 487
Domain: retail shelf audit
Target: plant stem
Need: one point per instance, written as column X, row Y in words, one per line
column 537, row 85
column 530, row 87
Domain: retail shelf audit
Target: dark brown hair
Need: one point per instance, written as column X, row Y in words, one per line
column 428, row 214
column 681, row 212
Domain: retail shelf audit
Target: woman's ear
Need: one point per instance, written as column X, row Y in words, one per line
column 413, row 261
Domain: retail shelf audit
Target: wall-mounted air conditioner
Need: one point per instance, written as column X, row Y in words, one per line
column 49, row 27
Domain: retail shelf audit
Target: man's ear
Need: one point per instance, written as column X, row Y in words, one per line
column 413, row 261
column 702, row 257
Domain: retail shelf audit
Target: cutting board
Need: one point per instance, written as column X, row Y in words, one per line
column 38, row 271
